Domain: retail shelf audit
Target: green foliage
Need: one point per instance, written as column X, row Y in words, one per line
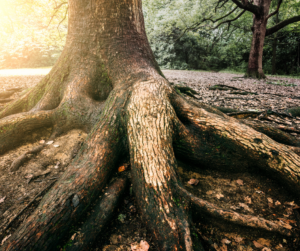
column 28, row 39
column 178, row 43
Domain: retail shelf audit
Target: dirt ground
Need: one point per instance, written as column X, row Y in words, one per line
column 252, row 193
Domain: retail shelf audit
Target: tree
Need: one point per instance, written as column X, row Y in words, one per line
column 107, row 83
column 261, row 14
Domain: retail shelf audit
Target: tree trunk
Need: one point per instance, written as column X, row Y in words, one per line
column 255, row 69
column 107, row 83
column 274, row 48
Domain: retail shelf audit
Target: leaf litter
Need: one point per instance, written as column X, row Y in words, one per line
column 242, row 192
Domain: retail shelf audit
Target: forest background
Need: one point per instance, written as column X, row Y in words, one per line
column 33, row 34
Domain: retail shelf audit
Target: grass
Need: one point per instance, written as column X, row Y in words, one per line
column 25, row 71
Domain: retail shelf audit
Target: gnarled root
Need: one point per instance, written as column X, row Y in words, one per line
column 24, row 157
column 150, row 132
column 96, row 222
column 211, row 137
column 81, row 183
column 234, row 217
column 272, row 132
column 14, row 127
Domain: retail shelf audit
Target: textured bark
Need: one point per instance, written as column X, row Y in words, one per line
column 260, row 20
column 96, row 222
column 107, row 83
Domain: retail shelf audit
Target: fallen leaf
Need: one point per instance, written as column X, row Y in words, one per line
column 248, row 200
column 287, row 221
column 266, row 249
column 238, row 239
column 264, row 242
column 143, row 246
column 4, row 240
column 226, row 241
column 73, row 236
column 209, row 192
column 258, row 191
column 287, row 226
column 258, row 245
column 290, row 203
column 243, row 205
column 240, row 182
column 2, row 199
column 57, row 165
column 270, row 200
column 121, row 169
column 193, row 182
column 215, row 245
column 219, row 195
column 277, row 203
column 222, row 248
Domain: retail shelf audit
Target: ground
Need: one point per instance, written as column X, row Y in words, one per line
column 248, row 193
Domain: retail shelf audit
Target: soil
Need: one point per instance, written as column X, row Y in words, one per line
column 252, row 192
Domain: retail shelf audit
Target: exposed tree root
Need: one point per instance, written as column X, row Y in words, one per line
column 6, row 94
column 150, row 132
column 13, row 127
column 186, row 90
column 71, row 195
column 29, row 204
column 272, row 132
column 25, row 157
column 234, row 140
column 96, row 223
column 234, row 217
column 294, row 111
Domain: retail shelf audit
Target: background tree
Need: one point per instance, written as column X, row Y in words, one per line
column 261, row 13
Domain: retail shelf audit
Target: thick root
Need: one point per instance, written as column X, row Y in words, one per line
column 78, row 187
column 272, row 132
column 234, row 217
column 150, row 132
column 25, row 157
column 96, row 223
column 14, row 127
column 69, row 198
column 210, row 137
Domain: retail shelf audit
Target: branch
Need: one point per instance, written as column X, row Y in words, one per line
column 277, row 9
column 245, row 5
column 63, row 3
column 56, row 10
column 225, row 15
column 282, row 24
column 231, row 20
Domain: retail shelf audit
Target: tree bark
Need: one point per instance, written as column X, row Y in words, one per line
column 260, row 20
column 274, row 48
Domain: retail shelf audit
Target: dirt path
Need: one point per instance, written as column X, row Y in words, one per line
column 249, row 193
